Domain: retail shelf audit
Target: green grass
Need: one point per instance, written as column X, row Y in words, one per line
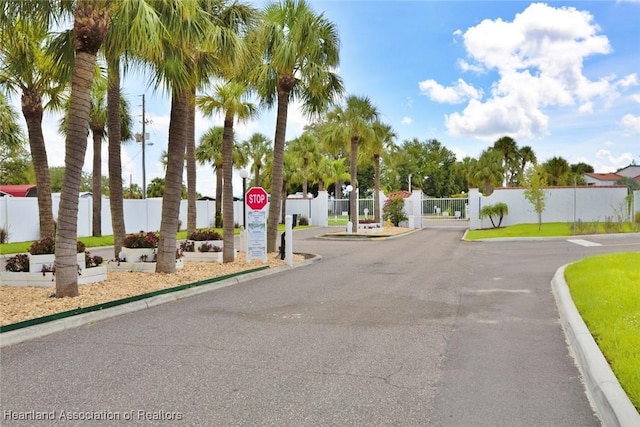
column 606, row 291
column 549, row 229
column 93, row 242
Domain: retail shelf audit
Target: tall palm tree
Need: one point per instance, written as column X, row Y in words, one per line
column 210, row 151
column 383, row 139
column 336, row 172
column 135, row 31
column 558, row 170
column 256, row 149
column 508, row 148
column 354, row 123
column 11, row 133
column 30, row 69
column 300, row 50
column 232, row 100
column 176, row 67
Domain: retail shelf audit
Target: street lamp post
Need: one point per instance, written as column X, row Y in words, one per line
column 244, row 175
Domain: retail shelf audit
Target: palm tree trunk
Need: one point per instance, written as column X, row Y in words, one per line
column 115, row 158
column 353, row 169
column 75, row 148
column 32, row 111
column 277, row 172
column 228, row 250
column 166, row 259
column 90, row 24
column 376, row 189
column 219, row 186
column 191, row 164
column 96, row 179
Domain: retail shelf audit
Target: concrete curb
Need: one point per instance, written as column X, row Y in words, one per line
column 37, row 331
column 607, row 397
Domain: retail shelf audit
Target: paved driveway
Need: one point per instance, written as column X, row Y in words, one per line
column 418, row 330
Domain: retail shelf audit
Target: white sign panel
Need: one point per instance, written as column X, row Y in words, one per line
column 257, row 235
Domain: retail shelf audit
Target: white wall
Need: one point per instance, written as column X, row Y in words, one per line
column 564, row 204
column 19, row 215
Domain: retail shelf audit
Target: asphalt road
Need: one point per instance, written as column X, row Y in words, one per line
column 418, row 330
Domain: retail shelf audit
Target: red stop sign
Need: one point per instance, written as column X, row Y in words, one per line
column 256, row 198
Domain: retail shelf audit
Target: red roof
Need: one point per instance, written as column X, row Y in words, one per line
column 604, row 176
column 402, row 193
column 22, row 190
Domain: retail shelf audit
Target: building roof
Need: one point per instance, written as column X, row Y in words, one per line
column 604, row 176
column 402, row 193
column 19, row 190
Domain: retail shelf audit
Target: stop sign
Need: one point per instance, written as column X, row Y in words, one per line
column 256, row 198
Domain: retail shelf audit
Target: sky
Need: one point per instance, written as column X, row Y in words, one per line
column 561, row 77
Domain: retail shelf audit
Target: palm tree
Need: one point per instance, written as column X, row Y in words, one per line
column 210, row 151
column 256, row 149
column 527, row 156
column 232, row 100
column 508, row 148
column 558, row 170
column 300, row 50
column 354, row 123
column 305, row 148
column 383, row 139
column 11, row 135
column 28, row 68
column 133, row 32
column 488, row 171
column 336, row 172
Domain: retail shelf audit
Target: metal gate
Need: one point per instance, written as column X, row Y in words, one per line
column 445, row 213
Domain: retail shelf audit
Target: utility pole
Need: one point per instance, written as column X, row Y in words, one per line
column 144, row 167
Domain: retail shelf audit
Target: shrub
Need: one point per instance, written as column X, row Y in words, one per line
column 637, row 218
column 187, row 246
column 43, row 246
column 4, row 235
column 205, row 234
column 367, row 221
column 18, row 263
column 208, row 247
column 303, row 220
column 92, row 261
column 141, row 240
column 393, row 210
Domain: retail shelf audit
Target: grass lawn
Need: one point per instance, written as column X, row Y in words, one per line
column 93, row 242
column 550, row 229
column 606, row 291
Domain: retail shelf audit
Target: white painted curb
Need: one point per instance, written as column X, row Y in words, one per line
column 603, row 389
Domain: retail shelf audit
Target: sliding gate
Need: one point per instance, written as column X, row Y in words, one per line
column 445, row 213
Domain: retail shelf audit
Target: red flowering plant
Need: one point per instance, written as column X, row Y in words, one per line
column 47, row 245
column 141, row 240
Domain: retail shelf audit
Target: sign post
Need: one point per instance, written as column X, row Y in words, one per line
column 256, row 200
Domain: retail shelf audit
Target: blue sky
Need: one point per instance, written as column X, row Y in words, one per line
column 561, row 77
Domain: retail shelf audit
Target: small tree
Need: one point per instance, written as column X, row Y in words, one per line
column 535, row 181
column 499, row 210
column 393, row 210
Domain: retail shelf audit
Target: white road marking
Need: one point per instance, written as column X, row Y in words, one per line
column 583, row 242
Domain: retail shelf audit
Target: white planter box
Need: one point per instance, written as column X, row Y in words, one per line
column 134, row 254
column 36, row 262
column 198, row 243
column 205, row 256
column 89, row 275
column 141, row 267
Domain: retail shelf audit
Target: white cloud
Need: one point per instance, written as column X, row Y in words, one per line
column 459, row 92
column 631, row 122
column 607, row 162
column 636, row 97
column 539, row 58
column 407, row 120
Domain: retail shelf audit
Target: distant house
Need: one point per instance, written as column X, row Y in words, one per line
column 26, row 190
column 600, row 179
